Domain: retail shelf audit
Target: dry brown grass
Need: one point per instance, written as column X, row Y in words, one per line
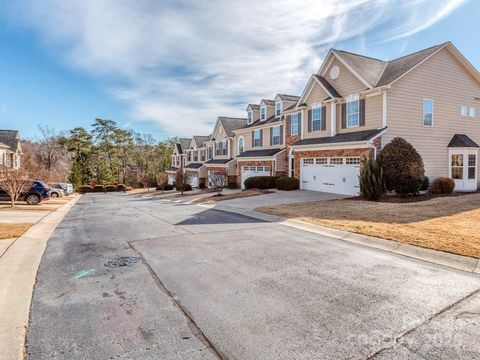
column 450, row 224
column 243, row 194
column 8, row 231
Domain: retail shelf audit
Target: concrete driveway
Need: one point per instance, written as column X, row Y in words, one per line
column 215, row 285
column 280, row 197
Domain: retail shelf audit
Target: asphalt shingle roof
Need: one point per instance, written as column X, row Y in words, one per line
column 288, row 97
column 194, row 166
column 461, row 140
column 259, row 153
column 183, row 144
column 201, row 139
column 364, row 135
column 231, row 124
column 218, row 161
column 11, row 138
column 331, row 90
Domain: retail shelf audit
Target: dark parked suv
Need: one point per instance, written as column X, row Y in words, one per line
column 38, row 192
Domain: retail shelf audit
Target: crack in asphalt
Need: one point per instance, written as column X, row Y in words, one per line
column 397, row 339
column 196, row 331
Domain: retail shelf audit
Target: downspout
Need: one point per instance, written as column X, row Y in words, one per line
column 370, row 145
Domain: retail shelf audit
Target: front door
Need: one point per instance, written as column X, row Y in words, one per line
column 463, row 169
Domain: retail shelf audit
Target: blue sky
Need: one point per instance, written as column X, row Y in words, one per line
column 170, row 67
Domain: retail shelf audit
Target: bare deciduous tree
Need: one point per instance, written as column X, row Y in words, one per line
column 162, row 181
column 181, row 180
column 15, row 181
column 218, row 181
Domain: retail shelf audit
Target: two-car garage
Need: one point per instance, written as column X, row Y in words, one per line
column 331, row 174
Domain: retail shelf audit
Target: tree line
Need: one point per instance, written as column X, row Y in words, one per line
column 105, row 154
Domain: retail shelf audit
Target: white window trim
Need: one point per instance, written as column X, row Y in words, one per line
column 261, row 111
column 279, row 135
column 423, row 112
column 278, row 102
column 259, row 138
column 315, row 107
column 351, row 99
column 298, row 124
column 238, row 144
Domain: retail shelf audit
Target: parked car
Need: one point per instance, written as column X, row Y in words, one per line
column 66, row 187
column 56, row 191
column 35, row 195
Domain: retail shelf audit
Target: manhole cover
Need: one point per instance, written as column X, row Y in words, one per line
column 122, row 261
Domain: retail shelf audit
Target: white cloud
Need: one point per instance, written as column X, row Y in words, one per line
column 180, row 64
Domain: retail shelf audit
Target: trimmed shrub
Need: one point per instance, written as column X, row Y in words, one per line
column 99, row 188
column 425, row 184
column 186, row 187
column 232, row 185
column 121, row 187
column 402, row 167
column 443, row 185
column 372, row 181
column 287, row 183
column 261, row 182
column 85, row 189
column 110, row 188
column 201, row 184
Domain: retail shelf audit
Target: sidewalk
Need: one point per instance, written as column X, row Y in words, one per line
column 18, row 266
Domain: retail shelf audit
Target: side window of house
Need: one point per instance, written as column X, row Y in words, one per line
column 241, row 145
column 294, row 128
column 427, row 112
column 257, row 138
column 249, row 117
column 224, row 147
column 353, row 113
column 278, row 108
column 276, row 135
column 316, row 119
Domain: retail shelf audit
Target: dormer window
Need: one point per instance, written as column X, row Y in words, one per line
column 249, row 117
column 263, row 113
column 278, row 109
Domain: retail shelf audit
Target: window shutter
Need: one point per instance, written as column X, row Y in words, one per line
column 271, row 136
column 281, row 134
column 288, row 123
column 299, row 123
column 261, row 137
column 253, row 138
column 310, row 120
column 362, row 112
column 324, row 118
column 344, row 115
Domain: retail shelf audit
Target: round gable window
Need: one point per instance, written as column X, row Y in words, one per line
column 334, row 72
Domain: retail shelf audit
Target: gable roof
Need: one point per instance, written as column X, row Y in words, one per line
column 287, row 97
column 260, row 153
column 375, row 72
column 11, row 138
column 364, row 135
column 253, row 107
column 461, row 140
column 183, row 144
column 230, row 124
column 2, row 145
column 328, row 87
column 199, row 140
column 268, row 102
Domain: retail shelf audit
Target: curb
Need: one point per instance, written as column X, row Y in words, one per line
column 454, row 261
column 18, row 266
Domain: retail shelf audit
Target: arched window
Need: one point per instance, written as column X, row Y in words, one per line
column 241, row 145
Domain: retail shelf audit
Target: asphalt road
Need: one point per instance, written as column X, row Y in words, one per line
column 211, row 285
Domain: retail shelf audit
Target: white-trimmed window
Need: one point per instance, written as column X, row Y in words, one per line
column 263, row 113
column 294, row 124
column 316, row 119
column 278, row 109
column 257, row 138
column 276, row 135
column 471, row 112
column 249, row 117
column 352, row 161
column 241, row 145
column 464, row 111
column 427, row 112
column 353, row 113
column 472, row 166
column 307, row 161
column 457, row 167
column 336, row 161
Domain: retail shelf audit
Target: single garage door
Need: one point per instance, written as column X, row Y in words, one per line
column 212, row 175
column 337, row 175
column 171, row 179
column 250, row 171
column 193, row 180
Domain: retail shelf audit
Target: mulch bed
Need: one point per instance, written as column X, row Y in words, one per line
column 392, row 198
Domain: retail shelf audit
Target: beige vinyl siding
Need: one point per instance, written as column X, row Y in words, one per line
column 444, row 80
column 316, row 97
column 232, row 168
column 373, row 115
column 286, row 104
column 347, row 83
column 247, row 135
column 280, row 160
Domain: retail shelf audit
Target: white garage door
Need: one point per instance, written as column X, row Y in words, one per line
column 337, row 175
column 193, row 180
column 211, row 175
column 250, row 171
column 171, row 179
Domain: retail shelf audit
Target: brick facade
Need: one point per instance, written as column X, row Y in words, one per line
column 299, row 155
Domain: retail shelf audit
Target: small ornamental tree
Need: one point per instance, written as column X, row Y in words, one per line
column 372, row 181
column 162, row 181
column 402, row 167
column 218, row 182
column 181, row 180
column 15, row 181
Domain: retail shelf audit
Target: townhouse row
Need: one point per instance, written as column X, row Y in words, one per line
column 348, row 111
column 10, row 149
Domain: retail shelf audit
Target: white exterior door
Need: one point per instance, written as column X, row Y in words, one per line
column 337, row 175
column 171, row 179
column 250, row 171
column 193, row 180
column 463, row 168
